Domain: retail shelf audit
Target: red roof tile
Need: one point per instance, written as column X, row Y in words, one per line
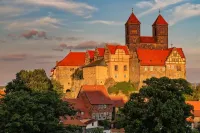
column 97, row 94
column 118, row 101
column 160, row 21
column 180, row 51
column 152, row 57
column 147, row 39
column 196, row 104
column 113, row 48
column 91, row 54
column 101, row 51
column 2, row 93
column 73, row 59
column 133, row 19
column 78, row 104
column 72, row 121
column 155, row 57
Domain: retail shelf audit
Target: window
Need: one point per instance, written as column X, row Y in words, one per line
column 151, row 68
column 82, row 113
column 116, row 67
column 105, row 106
column 92, row 123
column 124, row 75
column 146, row 69
column 178, row 68
column 115, row 75
column 125, row 67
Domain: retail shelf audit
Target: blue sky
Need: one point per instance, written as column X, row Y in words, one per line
column 35, row 33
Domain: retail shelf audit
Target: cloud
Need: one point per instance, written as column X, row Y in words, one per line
column 78, row 8
column 47, row 22
column 105, row 22
column 157, row 4
column 34, row 34
column 183, row 12
column 10, row 9
column 144, row 4
column 14, row 57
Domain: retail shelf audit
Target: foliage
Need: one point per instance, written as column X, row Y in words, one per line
column 57, row 87
column 35, row 80
column 195, row 95
column 34, row 112
column 109, row 82
column 96, row 130
column 33, row 104
column 159, row 107
column 124, row 87
column 105, row 123
column 78, row 74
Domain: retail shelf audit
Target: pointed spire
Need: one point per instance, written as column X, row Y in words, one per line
column 159, row 11
column 160, row 20
column 133, row 19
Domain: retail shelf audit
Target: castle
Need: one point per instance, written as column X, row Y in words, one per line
column 140, row 58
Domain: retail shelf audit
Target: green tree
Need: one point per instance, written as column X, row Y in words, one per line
column 159, row 107
column 35, row 80
column 78, row 74
column 31, row 106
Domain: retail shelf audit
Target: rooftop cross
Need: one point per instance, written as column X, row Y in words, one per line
column 159, row 11
column 132, row 9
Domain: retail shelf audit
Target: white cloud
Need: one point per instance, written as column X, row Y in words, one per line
column 104, row 22
column 157, row 4
column 33, row 24
column 144, row 4
column 78, row 8
column 10, row 9
column 183, row 12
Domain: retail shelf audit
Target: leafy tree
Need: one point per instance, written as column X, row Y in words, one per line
column 32, row 104
column 96, row 130
column 35, row 80
column 159, row 107
column 124, row 87
column 105, row 123
column 78, row 74
column 195, row 95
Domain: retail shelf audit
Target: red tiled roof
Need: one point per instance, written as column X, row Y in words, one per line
column 118, row 101
column 113, row 48
column 78, row 104
column 133, row 19
column 2, row 93
column 180, row 51
column 72, row 121
column 196, row 105
column 96, row 94
column 147, row 39
column 73, row 59
column 91, row 54
column 101, row 51
column 152, row 57
column 160, row 21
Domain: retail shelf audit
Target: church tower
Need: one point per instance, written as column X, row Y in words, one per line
column 160, row 32
column 132, row 32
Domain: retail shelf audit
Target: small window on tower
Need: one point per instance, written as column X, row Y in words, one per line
column 125, row 67
column 116, row 67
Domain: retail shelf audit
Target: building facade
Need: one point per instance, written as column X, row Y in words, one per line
column 142, row 57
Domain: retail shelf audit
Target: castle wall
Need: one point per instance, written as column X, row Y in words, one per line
column 95, row 75
column 118, row 65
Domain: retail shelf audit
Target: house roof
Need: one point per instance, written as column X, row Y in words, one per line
column 72, row 121
column 155, row 57
column 118, row 101
column 96, row 94
column 73, row 59
column 101, row 51
column 88, row 121
column 160, row 21
column 78, row 104
column 2, row 93
column 112, row 48
column 100, row 62
column 91, row 54
column 147, row 39
column 196, row 105
column 133, row 19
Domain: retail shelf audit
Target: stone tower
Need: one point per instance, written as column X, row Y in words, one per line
column 132, row 32
column 160, row 32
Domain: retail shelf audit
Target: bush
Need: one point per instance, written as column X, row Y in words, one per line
column 124, row 87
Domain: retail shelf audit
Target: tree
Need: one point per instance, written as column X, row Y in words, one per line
column 35, row 80
column 159, row 107
column 78, row 74
column 32, row 104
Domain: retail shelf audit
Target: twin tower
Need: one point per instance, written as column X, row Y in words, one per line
column 134, row 40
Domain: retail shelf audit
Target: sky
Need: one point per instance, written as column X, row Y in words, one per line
column 37, row 33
